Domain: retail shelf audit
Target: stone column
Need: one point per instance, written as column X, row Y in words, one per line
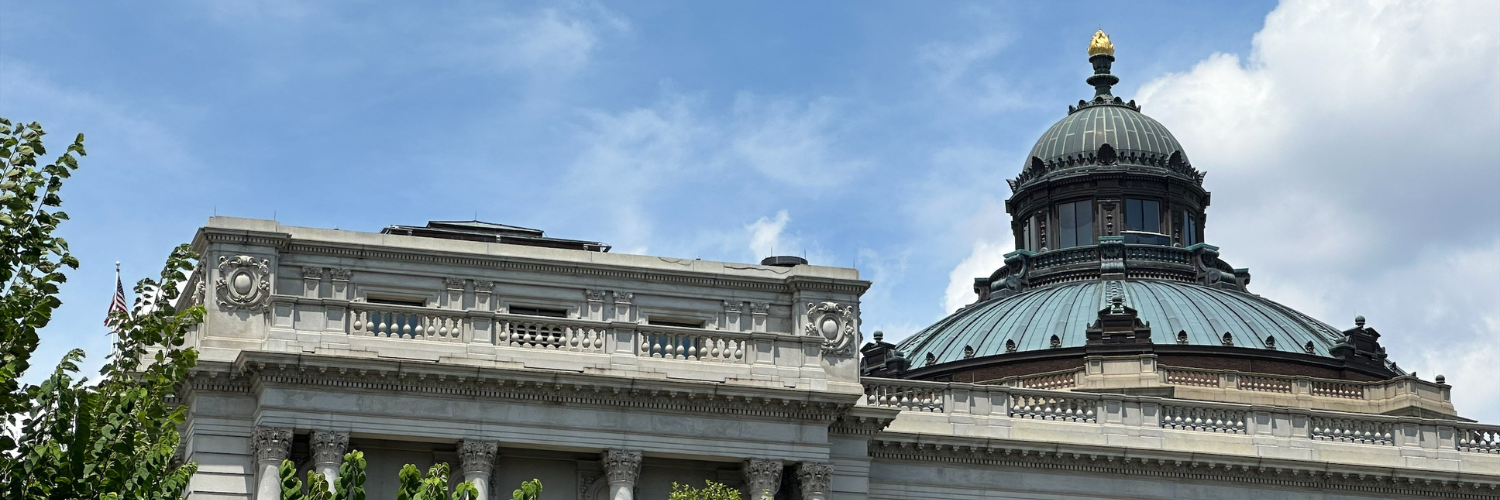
column 762, row 478
column 328, row 449
column 622, row 468
column 477, row 459
column 813, row 478
column 269, row 446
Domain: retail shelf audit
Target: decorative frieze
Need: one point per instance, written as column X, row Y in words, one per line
column 244, row 283
column 762, row 478
column 271, row 444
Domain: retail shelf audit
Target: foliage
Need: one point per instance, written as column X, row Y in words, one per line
column 348, row 486
column 530, row 490
column 31, row 258
column 432, row 487
column 709, row 491
column 67, row 438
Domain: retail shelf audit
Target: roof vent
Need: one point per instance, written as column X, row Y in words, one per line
column 1182, row 336
column 968, row 352
column 1010, row 346
column 1228, row 339
column 1056, row 342
column 783, row 261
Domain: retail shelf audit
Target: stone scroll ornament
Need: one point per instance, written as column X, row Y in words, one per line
column 244, row 283
column 837, row 325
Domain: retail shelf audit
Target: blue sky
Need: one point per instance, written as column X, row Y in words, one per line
column 857, row 133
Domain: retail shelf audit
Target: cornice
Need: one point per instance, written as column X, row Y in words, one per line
column 1182, row 466
column 864, row 420
column 260, row 370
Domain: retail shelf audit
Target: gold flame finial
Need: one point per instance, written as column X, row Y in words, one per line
column 1101, row 45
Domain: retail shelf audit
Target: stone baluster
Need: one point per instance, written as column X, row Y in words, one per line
column 269, row 446
column 814, row 479
column 328, row 452
column 762, row 478
column 622, row 468
column 477, row 459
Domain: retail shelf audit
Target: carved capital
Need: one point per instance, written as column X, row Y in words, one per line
column 760, row 308
column 624, row 297
column 621, row 466
column 272, row 444
column 454, row 283
column 328, row 447
column 244, row 283
column 762, row 478
column 477, row 456
column 837, row 324
column 340, row 274
column 484, row 286
column 814, row 478
column 733, row 307
column 312, row 273
column 594, row 295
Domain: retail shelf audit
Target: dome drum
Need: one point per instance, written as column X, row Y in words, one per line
column 1111, row 258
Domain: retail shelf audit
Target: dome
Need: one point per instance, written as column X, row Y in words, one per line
column 1202, row 314
column 1084, row 131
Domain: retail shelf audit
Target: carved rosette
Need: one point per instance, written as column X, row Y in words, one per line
column 621, row 466
column 329, row 447
column 271, row 444
column 762, row 478
column 837, row 324
column 814, row 479
column 244, row 283
column 477, row 457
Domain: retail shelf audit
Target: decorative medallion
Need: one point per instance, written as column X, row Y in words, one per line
column 244, row 283
column 835, row 323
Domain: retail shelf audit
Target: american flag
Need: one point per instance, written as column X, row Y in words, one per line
column 117, row 304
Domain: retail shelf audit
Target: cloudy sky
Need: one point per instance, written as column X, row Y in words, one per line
column 1353, row 149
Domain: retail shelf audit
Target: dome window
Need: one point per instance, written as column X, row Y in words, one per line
column 1143, row 215
column 1075, row 224
column 1189, row 229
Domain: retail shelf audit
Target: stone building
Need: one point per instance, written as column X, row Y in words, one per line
column 1115, row 355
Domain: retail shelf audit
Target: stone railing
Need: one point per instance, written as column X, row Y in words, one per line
column 1190, row 377
column 692, row 344
column 1265, row 383
column 550, row 333
column 1060, row 379
column 407, row 322
column 1083, row 408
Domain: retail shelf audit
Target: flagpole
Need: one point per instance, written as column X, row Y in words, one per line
column 112, row 343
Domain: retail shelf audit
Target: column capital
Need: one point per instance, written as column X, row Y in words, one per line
column 762, row 478
column 814, row 479
column 476, row 456
column 329, row 446
column 271, row 443
column 621, row 466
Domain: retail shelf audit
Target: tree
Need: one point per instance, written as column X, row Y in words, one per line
column 67, row 438
column 709, row 491
column 530, row 490
column 349, row 486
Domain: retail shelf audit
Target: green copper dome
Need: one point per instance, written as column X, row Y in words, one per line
column 1082, row 132
column 1202, row 315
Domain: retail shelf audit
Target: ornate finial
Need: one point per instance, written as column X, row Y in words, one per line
column 1359, row 321
column 1101, row 45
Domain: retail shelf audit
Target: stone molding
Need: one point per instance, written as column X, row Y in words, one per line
column 477, row 456
column 271, row 443
column 863, row 421
column 332, row 249
column 263, row 368
column 814, row 478
column 762, row 478
column 621, row 466
column 328, row 447
column 1195, row 466
column 244, row 283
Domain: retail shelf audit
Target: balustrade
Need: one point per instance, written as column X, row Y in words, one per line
column 1053, row 380
column 551, row 333
column 906, row 397
column 1176, row 376
column 1265, row 384
column 408, row 323
column 1337, row 389
column 1054, row 407
column 1351, row 430
column 705, row 345
column 1209, row 419
column 1479, row 440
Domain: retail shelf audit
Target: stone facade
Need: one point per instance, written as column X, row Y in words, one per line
column 589, row 371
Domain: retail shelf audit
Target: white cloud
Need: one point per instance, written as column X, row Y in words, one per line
column 986, row 257
column 791, row 142
column 765, row 234
column 551, row 43
column 1352, row 160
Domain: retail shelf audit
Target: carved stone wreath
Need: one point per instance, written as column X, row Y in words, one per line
column 244, row 283
column 835, row 323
